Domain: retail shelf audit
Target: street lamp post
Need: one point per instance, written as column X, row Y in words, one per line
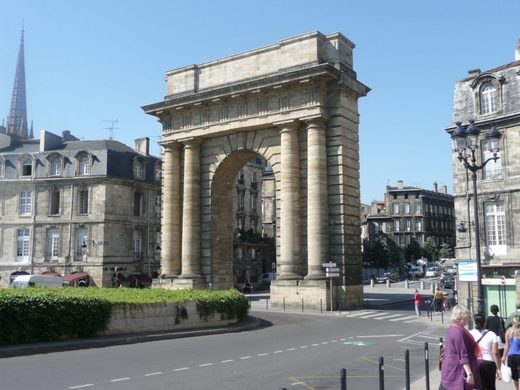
column 466, row 140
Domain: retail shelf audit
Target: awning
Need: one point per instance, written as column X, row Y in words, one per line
column 75, row 276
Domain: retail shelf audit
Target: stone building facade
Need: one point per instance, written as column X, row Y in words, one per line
column 491, row 97
column 86, row 207
column 410, row 212
column 293, row 103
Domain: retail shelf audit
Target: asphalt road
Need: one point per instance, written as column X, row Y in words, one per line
column 293, row 351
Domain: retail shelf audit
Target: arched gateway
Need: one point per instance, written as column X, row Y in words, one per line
column 295, row 104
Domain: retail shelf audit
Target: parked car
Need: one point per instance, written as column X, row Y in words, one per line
column 392, row 276
column 432, row 271
column 451, row 269
column 416, row 270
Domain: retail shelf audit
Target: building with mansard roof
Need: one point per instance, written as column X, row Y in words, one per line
column 86, row 210
column 491, row 98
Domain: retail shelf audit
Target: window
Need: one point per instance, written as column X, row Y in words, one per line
column 418, row 208
column 254, row 202
column 84, row 165
column 493, row 169
column 22, row 244
column 418, row 225
column 397, row 239
column 407, row 239
column 137, row 251
column 254, row 178
column 52, row 249
column 157, row 172
column 406, row 208
column 27, row 167
column 25, row 203
column 138, row 169
column 81, row 243
column 158, row 205
column 488, row 98
column 55, row 167
column 408, row 225
column 397, row 226
column 138, row 204
column 54, row 201
column 83, row 201
column 495, row 217
column 395, row 208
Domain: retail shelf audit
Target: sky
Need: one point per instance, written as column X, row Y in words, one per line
column 92, row 64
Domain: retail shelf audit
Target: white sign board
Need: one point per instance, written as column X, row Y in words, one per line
column 468, row 271
column 332, row 274
column 332, row 269
column 328, row 265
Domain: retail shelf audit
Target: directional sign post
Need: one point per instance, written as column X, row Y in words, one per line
column 331, row 271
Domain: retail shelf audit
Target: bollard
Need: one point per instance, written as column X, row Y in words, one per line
column 283, row 303
column 302, row 305
column 441, row 348
column 407, row 368
column 442, row 316
column 426, row 366
column 387, row 282
column 381, row 374
column 266, row 303
column 321, row 306
column 422, row 284
column 432, row 288
column 406, row 284
column 343, row 383
column 371, row 282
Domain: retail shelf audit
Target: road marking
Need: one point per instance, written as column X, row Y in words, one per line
column 120, row 379
column 325, row 342
column 291, row 349
column 373, row 315
column 205, row 364
column 277, row 351
column 389, row 316
column 402, row 318
column 360, row 313
column 153, row 373
column 379, row 335
column 303, row 346
column 226, row 361
column 181, row 369
column 314, row 345
column 81, row 386
column 262, row 354
column 245, row 357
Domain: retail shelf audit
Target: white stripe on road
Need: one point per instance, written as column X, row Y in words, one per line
column 379, row 335
column 362, row 313
column 181, row 369
column 226, row 361
column 120, row 379
column 245, row 357
column 81, row 386
column 153, row 373
column 205, row 364
column 403, row 318
column 262, row 354
column 373, row 315
column 389, row 316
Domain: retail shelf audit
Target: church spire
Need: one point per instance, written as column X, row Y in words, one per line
column 17, row 119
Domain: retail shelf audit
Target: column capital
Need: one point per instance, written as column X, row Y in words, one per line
column 291, row 124
column 170, row 145
column 315, row 121
column 190, row 142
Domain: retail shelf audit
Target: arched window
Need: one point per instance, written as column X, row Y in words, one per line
column 488, row 98
column 55, row 166
column 138, row 169
column 84, row 164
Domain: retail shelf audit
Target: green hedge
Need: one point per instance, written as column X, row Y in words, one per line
column 42, row 314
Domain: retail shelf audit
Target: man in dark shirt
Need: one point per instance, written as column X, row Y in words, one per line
column 495, row 323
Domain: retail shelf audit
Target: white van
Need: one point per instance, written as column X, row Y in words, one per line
column 24, row 281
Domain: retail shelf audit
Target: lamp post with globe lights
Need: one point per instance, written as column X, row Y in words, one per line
column 465, row 141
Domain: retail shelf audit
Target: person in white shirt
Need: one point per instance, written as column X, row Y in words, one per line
column 489, row 360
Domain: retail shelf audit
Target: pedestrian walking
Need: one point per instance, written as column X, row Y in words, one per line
column 513, row 314
column 417, row 301
column 496, row 324
column 437, row 299
column 459, row 369
column 489, row 359
column 512, row 350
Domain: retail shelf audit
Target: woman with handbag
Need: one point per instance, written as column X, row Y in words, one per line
column 459, row 369
column 512, row 350
column 489, row 359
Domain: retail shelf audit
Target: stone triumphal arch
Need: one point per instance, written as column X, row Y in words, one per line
column 295, row 104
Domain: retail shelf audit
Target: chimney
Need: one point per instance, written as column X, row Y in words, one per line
column 517, row 51
column 400, row 184
column 142, row 145
column 435, row 186
column 444, row 189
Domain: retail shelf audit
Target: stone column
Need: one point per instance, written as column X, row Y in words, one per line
column 171, row 211
column 317, row 198
column 191, row 211
column 290, row 230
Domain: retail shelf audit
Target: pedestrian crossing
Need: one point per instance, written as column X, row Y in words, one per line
column 383, row 316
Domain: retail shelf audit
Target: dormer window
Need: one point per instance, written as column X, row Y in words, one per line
column 27, row 167
column 488, row 98
column 55, row 166
column 84, row 164
column 138, row 169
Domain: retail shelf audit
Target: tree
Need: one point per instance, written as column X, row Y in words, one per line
column 445, row 251
column 378, row 253
column 394, row 253
column 430, row 249
column 413, row 251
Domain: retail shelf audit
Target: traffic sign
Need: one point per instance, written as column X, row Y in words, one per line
column 328, row 265
column 332, row 269
column 332, row 274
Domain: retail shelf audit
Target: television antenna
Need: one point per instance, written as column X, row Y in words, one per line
column 112, row 127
